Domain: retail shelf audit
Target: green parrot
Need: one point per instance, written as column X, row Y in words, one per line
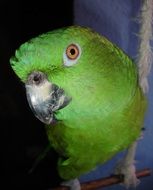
column 86, row 91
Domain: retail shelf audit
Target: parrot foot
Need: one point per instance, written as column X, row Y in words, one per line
column 130, row 179
column 127, row 168
column 74, row 184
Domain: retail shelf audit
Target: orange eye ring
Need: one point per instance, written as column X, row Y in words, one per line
column 72, row 51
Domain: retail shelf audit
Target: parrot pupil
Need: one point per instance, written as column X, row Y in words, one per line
column 72, row 51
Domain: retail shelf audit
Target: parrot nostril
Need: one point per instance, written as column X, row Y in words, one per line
column 36, row 78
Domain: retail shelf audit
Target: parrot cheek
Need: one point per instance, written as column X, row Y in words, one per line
column 45, row 98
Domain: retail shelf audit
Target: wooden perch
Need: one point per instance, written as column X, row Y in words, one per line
column 107, row 181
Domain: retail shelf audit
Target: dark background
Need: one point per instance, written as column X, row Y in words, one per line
column 22, row 135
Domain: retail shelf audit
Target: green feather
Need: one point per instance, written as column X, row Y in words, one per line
column 107, row 109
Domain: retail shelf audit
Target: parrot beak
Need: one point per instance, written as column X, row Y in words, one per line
column 44, row 98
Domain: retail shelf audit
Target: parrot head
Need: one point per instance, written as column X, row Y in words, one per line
column 62, row 69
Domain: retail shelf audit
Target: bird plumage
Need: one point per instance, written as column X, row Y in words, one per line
column 107, row 108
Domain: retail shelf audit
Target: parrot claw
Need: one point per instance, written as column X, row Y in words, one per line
column 126, row 167
column 74, row 184
column 130, row 179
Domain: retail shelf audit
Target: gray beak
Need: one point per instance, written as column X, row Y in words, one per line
column 44, row 98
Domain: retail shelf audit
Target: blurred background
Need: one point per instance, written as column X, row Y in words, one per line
column 23, row 136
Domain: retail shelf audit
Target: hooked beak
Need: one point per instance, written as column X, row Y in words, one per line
column 44, row 98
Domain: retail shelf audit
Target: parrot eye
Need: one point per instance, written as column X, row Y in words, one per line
column 72, row 54
column 72, row 51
